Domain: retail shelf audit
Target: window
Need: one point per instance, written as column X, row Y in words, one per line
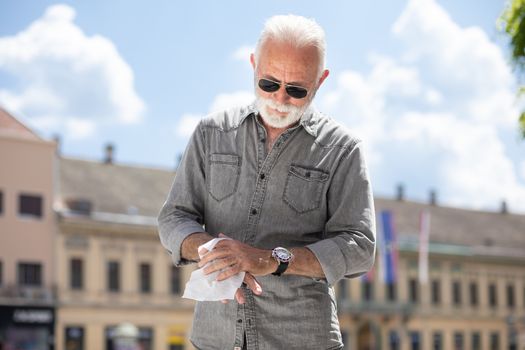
column 458, row 341
column 473, row 292
column 342, row 292
column 74, row 338
column 175, row 280
column 393, row 340
column 368, row 291
column 437, row 341
column 145, row 278
column 413, row 295
column 436, row 292
column 113, row 276
column 344, row 338
column 476, row 341
column 415, row 341
column 510, row 296
column 145, row 338
column 493, row 297
column 76, row 273
column 391, row 292
column 456, row 293
column 494, row 341
column 29, row 205
column 30, row 274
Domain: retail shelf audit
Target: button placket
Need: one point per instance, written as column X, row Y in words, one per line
column 239, row 327
column 260, row 187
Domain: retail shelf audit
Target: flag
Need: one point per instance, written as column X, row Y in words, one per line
column 388, row 248
column 424, row 232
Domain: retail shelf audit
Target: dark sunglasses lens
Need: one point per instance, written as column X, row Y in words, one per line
column 268, row 85
column 296, row 92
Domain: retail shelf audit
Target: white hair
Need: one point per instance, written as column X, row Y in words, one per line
column 297, row 31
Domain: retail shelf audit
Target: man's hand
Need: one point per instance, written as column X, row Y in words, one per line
column 252, row 283
column 231, row 257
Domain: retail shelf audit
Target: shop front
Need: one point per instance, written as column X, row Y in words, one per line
column 27, row 328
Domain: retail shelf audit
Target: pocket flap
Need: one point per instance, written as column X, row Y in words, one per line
column 309, row 174
column 224, row 158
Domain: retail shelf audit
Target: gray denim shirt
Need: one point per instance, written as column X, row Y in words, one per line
column 311, row 190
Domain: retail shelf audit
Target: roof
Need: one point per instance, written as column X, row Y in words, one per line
column 114, row 188
column 9, row 125
column 457, row 226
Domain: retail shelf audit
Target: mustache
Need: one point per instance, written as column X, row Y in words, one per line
column 280, row 107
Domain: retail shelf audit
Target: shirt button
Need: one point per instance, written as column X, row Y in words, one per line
column 262, row 176
column 254, row 211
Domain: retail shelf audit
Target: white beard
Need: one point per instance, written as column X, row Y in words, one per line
column 275, row 120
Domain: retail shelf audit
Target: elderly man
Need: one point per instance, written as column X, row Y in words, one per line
column 290, row 187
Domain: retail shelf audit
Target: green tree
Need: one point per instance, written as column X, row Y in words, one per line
column 513, row 23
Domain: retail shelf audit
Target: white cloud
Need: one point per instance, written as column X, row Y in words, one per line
column 82, row 81
column 79, row 128
column 243, row 53
column 188, row 122
column 224, row 101
column 186, row 125
column 438, row 115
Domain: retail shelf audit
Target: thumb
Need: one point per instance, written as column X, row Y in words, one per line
column 252, row 283
column 222, row 235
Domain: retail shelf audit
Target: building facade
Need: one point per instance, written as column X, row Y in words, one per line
column 473, row 299
column 111, row 266
column 27, row 233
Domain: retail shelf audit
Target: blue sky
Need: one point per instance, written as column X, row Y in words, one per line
column 425, row 83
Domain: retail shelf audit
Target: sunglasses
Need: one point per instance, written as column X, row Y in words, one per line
column 294, row 91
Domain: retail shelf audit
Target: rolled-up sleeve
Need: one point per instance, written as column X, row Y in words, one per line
column 182, row 212
column 349, row 243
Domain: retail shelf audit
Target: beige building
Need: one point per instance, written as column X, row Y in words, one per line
column 27, row 231
column 111, row 266
column 475, row 294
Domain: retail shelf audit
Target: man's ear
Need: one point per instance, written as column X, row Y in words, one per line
column 252, row 60
column 325, row 74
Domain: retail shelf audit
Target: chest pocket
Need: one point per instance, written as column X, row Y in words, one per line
column 224, row 175
column 304, row 188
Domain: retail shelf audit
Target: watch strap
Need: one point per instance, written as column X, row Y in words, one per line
column 281, row 268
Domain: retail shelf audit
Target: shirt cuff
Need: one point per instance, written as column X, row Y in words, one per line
column 331, row 259
column 177, row 238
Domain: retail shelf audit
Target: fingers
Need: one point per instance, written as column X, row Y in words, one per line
column 222, row 264
column 239, row 296
column 252, row 283
column 213, row 255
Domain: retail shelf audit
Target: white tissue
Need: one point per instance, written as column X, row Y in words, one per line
column 203, row 287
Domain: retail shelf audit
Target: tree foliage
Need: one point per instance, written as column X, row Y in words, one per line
column 513, row 20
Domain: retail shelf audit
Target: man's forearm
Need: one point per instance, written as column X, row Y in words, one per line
column 305, row 263
column 191, row 244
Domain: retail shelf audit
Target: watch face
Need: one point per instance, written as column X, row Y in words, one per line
column 282, row 254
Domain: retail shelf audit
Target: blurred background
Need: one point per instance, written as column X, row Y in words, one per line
column 98, row 100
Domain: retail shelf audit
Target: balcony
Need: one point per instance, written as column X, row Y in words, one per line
column 25, row 295
column 404, row 310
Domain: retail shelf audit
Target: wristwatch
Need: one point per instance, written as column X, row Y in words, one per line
column 283, row 256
